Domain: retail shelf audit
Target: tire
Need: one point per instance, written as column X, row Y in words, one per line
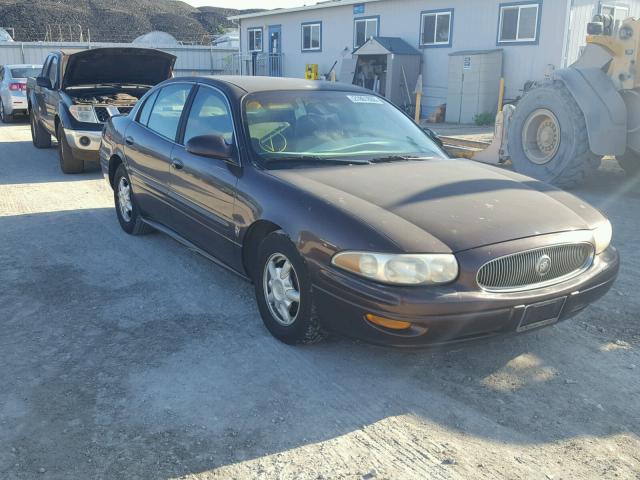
column 548, row 137
column 130, row 222
column 68, row 163
column 4, row 116
column 630, row 162
column 302, row 325
column 39, row 136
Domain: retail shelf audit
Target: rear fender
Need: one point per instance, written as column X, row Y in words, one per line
column 604, row 109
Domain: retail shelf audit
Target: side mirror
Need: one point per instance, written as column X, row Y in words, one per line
column 211, row 146
column 43, row 82
column 432, row 135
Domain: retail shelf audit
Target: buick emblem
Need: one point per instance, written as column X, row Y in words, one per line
column 543, row 265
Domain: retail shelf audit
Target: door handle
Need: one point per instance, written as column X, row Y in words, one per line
column 177, row 164
column 129, row 141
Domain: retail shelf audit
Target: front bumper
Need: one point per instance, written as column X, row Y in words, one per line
column 84, row 144
column 83, row 140
column 441, row 315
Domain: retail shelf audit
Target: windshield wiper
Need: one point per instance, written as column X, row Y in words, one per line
column 398, row 158
column 308, row 159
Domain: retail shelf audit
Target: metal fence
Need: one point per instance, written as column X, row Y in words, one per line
column 254, row 64
column 191, row 59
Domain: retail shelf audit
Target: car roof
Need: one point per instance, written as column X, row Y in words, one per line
column 270, row 84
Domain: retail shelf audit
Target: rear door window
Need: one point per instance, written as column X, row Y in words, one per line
column 167, row 110
column 145, row 111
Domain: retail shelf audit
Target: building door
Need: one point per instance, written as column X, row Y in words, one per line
column 275, row 51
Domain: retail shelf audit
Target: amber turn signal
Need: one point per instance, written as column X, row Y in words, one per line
column 387, row 322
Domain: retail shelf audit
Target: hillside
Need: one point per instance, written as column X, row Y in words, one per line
column 111, row 20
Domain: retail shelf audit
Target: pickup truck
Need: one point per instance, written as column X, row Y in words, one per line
column 76, row 93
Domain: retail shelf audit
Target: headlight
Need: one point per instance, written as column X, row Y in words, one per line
column 83, row 113
column 602, row 236
column 405, row 269
column 625, row 32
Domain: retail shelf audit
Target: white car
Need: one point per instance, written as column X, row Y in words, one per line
column 13, row 89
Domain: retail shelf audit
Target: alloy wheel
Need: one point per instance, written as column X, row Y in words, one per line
column 541, row 136
column 281, row 289
column 124, row 199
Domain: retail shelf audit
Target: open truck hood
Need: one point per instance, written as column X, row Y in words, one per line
column 126, row 66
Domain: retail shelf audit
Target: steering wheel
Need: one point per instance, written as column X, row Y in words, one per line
column 274, row 141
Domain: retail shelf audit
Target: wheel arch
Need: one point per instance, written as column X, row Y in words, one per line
column 602, row 105
column 252, row 238
column 114, row 162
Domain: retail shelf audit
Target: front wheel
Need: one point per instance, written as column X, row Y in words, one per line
column 126, row 207
column 630, row 162
column 283, row 292
column 548, row 137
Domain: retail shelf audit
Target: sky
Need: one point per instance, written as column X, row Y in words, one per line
column 240, row 4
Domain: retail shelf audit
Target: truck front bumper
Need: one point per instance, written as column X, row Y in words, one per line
column 84, row 140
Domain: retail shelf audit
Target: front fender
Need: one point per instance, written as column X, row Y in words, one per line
column 604, row 109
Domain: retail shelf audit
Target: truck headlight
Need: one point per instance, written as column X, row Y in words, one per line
column 602, row 236
column 83, row 113
column 401, row 269
column 625, row 32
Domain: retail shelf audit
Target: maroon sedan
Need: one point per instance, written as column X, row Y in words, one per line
column 348, row 217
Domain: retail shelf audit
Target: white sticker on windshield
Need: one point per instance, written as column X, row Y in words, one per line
column 364, row 99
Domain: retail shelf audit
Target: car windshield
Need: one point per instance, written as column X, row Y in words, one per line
column 25, row 72
column 332, row 127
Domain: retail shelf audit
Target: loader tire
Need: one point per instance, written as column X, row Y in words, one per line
column 630, row 162
column 548, row 137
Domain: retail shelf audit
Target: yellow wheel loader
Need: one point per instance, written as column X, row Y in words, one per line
column 562, row 127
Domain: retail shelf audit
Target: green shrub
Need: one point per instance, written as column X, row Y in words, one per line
column 484, row 119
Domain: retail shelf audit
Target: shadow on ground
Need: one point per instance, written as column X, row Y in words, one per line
column 127, row 357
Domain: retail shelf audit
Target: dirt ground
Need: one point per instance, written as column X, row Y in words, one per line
column 134, row 358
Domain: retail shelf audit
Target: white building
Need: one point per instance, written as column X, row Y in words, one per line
column 535, row 36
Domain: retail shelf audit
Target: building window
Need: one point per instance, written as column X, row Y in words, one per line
column 312, row 37
column 519, row 23
column 435, row 28
column 364, row 28
column 255, row 39
column 617, row 12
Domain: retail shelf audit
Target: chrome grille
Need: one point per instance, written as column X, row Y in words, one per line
column 523, row 270
column 102, row 113
column 105, row 113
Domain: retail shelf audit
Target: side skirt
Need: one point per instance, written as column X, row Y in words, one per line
column 192, row 247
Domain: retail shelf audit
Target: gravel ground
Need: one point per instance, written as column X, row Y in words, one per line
column 135, row 358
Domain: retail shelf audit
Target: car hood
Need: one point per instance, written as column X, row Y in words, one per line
column 127, row 66
column 460, row 203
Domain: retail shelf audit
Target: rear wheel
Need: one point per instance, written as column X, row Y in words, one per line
column 68, row 163
column 4, row 116
column 548, row 137
column 630, row 162
column 39, row 136
column 283, row 292
column 126, row 207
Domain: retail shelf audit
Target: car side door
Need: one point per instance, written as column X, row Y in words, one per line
column 50, row 96
column 204, row 188
column 149, row 141
column 37, row 98
column 3, row 84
